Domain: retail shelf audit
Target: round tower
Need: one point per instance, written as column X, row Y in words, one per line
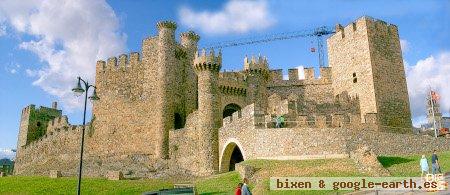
column 207, row 67
column 189, row 42
column 257, row 72
column 166, row 79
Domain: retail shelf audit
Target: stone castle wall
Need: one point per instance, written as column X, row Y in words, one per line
column 160, row 113
column 248, row 131
column 366, row 60
column 58, row 149
column 311, row 88
column 390, row 89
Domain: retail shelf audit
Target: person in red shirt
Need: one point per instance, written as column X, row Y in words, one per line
column 238, row 189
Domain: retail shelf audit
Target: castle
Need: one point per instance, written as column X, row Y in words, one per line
column 169, row 110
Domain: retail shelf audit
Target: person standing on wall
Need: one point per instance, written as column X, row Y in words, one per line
column 278, row 121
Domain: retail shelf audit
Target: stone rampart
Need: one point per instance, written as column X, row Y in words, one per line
column 124, row 75
column 58, row 149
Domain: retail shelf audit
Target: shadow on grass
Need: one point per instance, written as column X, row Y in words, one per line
column 388, row 161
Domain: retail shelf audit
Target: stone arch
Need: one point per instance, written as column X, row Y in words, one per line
column 232, row 153
column 229, row 109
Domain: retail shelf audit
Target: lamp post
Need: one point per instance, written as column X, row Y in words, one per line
column 79, row 90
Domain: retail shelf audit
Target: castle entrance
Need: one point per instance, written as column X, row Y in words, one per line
column 230, row 109
column 230, row 157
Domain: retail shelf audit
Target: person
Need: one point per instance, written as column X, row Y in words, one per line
column 238, row 190
column 424, row 165
column 435, row 163
column 281, row 121
column 245, row 189
column 277, row 122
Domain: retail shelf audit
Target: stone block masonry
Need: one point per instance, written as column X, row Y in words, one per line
column 169, row 111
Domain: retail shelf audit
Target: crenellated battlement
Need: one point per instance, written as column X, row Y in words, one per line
column 293, row 76
column 190, row 35
column 256, row 63
column 29, row 108
column 251, row 115
column 70, row 131
column 361, row 25
column 166, row 24
column 122, row 74
column 57, row 123
column 123, row 63
column 210, row 61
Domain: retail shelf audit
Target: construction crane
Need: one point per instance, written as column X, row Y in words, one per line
column 319, row 33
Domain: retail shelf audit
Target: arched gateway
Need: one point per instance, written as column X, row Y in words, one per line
column 231, row 155
column 230, row 109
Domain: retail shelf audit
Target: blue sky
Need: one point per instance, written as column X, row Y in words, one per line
column 45, row 44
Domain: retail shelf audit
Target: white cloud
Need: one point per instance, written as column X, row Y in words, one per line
column 431, row 72
column 235, row 17
column 2, row 29
column 12, row 68
column 68, row 37
column 404, row 44
column 7, row 153
column 31, row 73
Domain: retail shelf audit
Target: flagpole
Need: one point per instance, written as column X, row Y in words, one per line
column 432, row 111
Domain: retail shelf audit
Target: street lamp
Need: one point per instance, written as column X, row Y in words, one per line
column 79, row 90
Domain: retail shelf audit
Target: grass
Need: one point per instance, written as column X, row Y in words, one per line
column 304, row 168
column 219, row 184
column 68, row 185
column 407, row 165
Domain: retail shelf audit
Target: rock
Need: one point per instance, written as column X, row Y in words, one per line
column 55, row 174
column 246, row 171
column 367, row 161
column 114, row 175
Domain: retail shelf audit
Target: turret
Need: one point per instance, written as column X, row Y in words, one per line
column 207, row 67
column 189, row 42
column 166, row 84
column 257, row 75
column 24, row 126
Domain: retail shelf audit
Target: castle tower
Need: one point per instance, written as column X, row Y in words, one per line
column 437, row 115
column 33, row 125
column 33, row 122
column 166, row 85
column 24, row 126
column 257, row 73
column 366, row 61
column 189, row 41
column 207, row 67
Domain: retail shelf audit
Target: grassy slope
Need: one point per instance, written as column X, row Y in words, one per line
column 219, row 184
column 306, row 168
column 46, row 185
column 409, row 165
column 222, row 183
